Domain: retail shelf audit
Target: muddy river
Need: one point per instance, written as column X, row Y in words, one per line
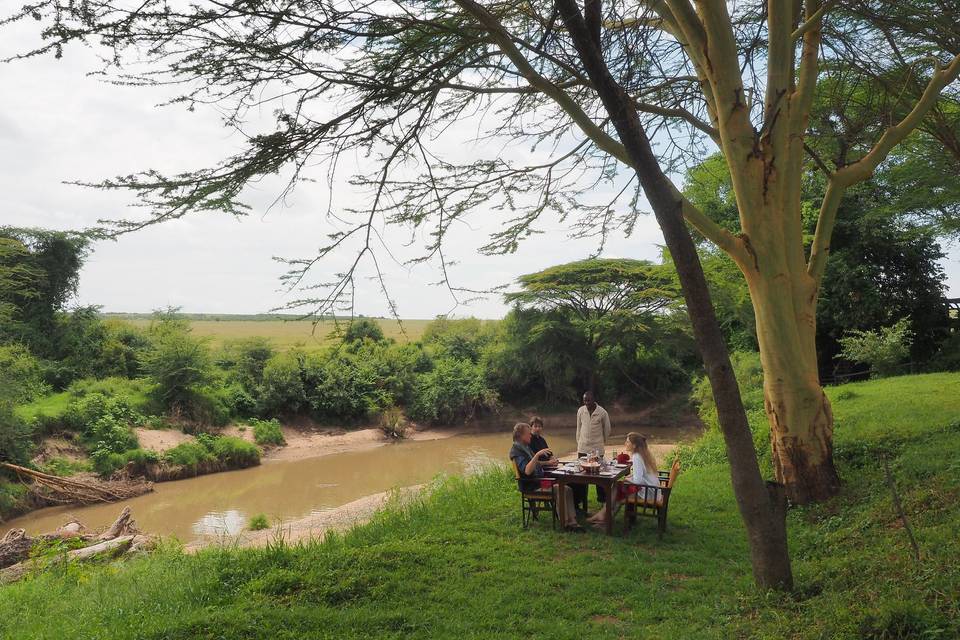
column 222, row 503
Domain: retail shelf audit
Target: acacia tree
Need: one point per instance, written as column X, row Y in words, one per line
column 604, row 298
column 618, row 91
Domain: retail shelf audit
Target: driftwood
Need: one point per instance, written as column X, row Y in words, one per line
column 109, row 547
column 121, row 537
column 14, row 547
column 123, row 525
column 68, row 491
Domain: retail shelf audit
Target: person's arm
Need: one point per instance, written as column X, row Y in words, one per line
column 531, row 467
column 606, row 426
column 579, row 412
column 636, row 477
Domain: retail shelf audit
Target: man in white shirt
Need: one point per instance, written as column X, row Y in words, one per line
column 593, row 429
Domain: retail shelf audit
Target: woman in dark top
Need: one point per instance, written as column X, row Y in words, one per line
column 537, row 441
column 530, row 467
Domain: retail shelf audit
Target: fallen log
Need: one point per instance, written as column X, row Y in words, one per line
column 123, row 525
column 14, row 547
column 108, row 547
column 59, row 490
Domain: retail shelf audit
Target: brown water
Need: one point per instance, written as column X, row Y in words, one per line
column 222, row 503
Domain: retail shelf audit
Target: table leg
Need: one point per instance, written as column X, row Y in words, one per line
column 561, row 502
column 609, row 507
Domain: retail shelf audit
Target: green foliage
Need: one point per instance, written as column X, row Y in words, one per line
column 234, row 452
column 267, row 432
column 464, row 338
column 711, row 448
column 363, row 329
column 282, row 390
column 345, row 387
column 258, row 522
column 191, row 454
column 181, row 369
column 39, row 273
column 21, row 377
column 16, row 436
column 246, row 359
column 13, row 498
column 106, row 462
column 453, row 391
column 882, row 349
column 64, row 467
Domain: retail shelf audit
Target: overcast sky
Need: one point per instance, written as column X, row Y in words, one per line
column 57, row 124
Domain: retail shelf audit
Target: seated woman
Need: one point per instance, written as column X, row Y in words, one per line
column 538, row 442
column 530, row 466
column 643, row 471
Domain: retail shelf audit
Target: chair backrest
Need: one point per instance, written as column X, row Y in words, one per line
column 516, row 471
column 674, row 472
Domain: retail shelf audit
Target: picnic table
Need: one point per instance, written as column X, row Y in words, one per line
column 607, row 478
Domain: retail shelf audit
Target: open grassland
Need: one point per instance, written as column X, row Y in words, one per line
column 283, row 333
column 458, row 565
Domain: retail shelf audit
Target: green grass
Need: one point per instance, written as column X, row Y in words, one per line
column 458, row 565
column 283, row 334
column 267, row 432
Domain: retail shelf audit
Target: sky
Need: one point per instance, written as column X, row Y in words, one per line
column 59, row 124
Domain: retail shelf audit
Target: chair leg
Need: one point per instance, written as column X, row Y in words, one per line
column 661, row 525
column 523, row 512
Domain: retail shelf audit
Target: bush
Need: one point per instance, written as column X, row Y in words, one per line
column 348, row 387
column 235, row 452
column 179, row 365
column 282, row 391
column 16, row 435
column 711, row 448
column 106, row 462
column 258, row 522
column 882, row 349
column 267, row 432
column 455, row 390
column 362, row 329
column 189, row 454
column 21, row 376
column 394, row 424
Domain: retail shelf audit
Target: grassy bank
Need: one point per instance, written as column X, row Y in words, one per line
column 457, row 565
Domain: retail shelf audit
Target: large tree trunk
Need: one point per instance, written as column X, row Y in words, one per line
column 762, row 505
column 801, row 422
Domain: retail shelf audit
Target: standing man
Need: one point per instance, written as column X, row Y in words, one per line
column 593, row 429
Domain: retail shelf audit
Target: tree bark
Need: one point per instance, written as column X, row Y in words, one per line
column 798, row 411
column 762, row 505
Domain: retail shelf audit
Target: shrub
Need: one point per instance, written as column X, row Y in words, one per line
column 282, row 390
column 882, row 349
column 361, row 329
column 235, row 452
column 455, row 390
column 189, row 454
column 106, row 462
column 60, row 466
column 267, row 432
column 21, row 376
column 246, row 359
column 178, row 364
column 13, row 498
column 393, row 423
column 258, row 522
column 16, row 436
column 345, row 387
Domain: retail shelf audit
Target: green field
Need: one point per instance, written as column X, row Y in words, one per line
column 283, row 332
column 458, row 565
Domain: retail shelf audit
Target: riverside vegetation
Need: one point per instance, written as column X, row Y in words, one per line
column 402, row 574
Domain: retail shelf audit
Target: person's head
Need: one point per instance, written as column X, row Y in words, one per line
column 637, row 443
column 521, row 433
column 536, row 425
column 589, row 401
